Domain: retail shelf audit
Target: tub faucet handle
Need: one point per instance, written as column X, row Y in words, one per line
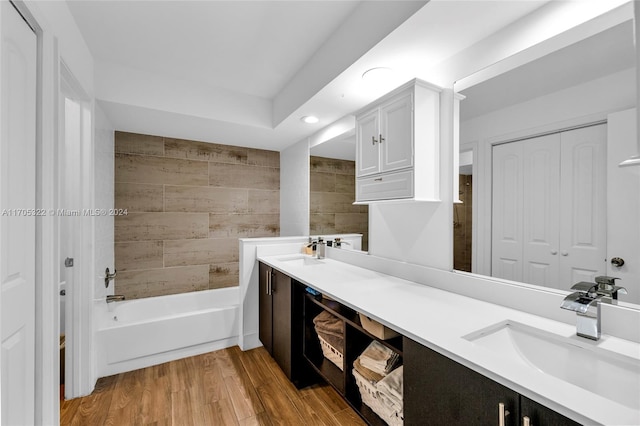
column 108, row 277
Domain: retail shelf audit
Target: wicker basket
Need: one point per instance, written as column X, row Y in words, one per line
column 369, row 395
column 331, row 353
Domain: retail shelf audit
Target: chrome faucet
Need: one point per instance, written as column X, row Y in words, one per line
column 115, row 298
column 586, row 303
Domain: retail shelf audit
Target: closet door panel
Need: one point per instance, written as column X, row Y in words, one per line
column 541, row 198
column 506, row 226
column 583, row 207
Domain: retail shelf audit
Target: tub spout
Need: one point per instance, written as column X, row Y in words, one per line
column 115, row 298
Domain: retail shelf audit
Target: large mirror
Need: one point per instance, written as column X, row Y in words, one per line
column 332, row 190
column 543, row 200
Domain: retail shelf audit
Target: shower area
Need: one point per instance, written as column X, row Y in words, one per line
column 462, row 223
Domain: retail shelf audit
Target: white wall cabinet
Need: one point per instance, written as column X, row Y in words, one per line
column 549, row 208
column 397, row 145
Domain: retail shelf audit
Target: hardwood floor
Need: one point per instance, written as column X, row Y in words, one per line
column 226, row 387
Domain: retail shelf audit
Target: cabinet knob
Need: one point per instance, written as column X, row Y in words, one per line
column 554, row 252
column 617, row 262
column 373, row 140
column 564, row 253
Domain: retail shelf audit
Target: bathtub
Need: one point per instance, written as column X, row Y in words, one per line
column 134, row 334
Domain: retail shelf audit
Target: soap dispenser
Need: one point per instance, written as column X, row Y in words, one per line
column 320, row 248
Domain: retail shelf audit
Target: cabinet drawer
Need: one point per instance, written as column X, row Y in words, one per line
column 385, row 187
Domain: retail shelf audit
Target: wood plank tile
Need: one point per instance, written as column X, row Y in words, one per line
column 352, row 222
column 322, row 223
column 155, row 403
column 243, row 176
column 261, row 157
column 194, row 150
column 205, row 199
column 160, row 170
column 218, row 413
column 161, row 226
column 139, row 197
column 134, row 143
column 200, row 251
column 158, row 282
column 280, row 408
column 348, row 417
column 223, row 275
column 138, row 255
column 183, row 410
column 330, row 202
column 345, row 184
column 264, row 202
column 260, row 419
column 332, row 165
column 244, row 225
column 322, row 182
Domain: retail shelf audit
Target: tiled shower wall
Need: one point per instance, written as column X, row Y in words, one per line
column 332, row 193
column 462, row 225
column 188, row 203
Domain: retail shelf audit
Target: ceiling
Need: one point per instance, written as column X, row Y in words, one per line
column 244, row 72
column 600, row 55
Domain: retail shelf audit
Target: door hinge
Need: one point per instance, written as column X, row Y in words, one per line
column 68, row 262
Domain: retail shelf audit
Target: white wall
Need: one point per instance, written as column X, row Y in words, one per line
column 294, row 190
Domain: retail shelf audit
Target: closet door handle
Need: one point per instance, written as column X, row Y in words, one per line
column 373, row 140
column 502, row 414
column 526, row 421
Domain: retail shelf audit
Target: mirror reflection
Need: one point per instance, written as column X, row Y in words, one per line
column 543, row 199
column 332, row 190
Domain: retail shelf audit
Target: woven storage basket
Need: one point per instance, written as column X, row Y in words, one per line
column 369, row 395
column 331, row 353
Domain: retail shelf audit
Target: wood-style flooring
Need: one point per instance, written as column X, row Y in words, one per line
column 226, row 387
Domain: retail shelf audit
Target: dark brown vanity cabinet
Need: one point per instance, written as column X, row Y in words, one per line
column 440, row 391
column 281, row 330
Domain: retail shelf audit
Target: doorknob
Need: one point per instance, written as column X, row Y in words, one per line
column 617, row 262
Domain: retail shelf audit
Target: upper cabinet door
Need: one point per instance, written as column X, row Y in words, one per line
column 396, row 134
column 367, row 143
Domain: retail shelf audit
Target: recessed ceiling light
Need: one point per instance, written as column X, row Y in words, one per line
column 376, row 74
column 310, row 119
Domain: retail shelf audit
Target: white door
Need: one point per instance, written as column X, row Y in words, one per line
column 367, row 144
column 583, row 234
column 17, row 227
column 541, row 199
column 506, row 226
column 396, row 134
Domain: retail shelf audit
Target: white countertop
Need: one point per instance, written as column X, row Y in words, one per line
column 438, row 319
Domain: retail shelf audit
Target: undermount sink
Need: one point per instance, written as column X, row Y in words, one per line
column 301, row 260
column 572, row 359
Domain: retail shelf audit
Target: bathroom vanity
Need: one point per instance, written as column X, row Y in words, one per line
column 459, row 354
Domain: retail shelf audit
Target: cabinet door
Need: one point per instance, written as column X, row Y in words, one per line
column 396, row 130
column 439, row 391
column 265, row 308
column 539, row 415
column 282, row 303
column 367, row 144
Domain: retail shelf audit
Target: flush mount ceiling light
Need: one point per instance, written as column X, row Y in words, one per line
column 377, row 75
column 310, row 119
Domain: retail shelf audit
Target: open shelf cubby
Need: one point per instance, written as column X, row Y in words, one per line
column 356, row 340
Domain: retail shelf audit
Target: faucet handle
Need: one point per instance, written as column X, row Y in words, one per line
column 606, row 282
column 584, row 286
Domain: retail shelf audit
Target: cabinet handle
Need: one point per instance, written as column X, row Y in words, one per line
column 502, row 414
column 381, row 138
column 526, row 421
column 373, row 140
column 377, row 180
column 271, row 289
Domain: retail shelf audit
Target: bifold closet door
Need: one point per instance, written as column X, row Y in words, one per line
column 549, row 208
column 583, row 233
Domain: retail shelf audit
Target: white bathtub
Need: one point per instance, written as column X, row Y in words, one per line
column 138, row 333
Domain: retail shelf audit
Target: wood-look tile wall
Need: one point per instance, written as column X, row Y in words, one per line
column 188, row 203
column 462, row 225
column 332, row 193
